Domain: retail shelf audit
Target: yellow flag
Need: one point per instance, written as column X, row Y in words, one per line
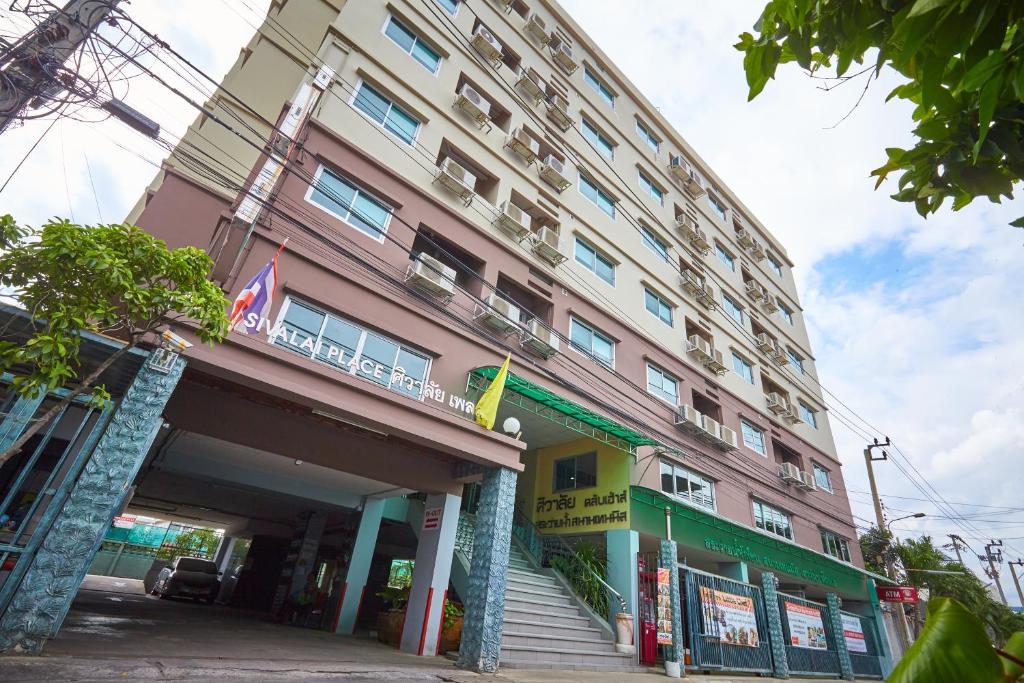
column 487, row 407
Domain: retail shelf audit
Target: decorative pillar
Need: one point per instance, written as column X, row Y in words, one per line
column 223, row 557
column 776, row 636
column 359, row 565
column 622, row 548
column 485, row 603
column 316, row 521
column 737, row 571
column 835, row 618
column 881, row 634
column 424, row 614
column 13, row 424
column 669, row 559
column 44, row 596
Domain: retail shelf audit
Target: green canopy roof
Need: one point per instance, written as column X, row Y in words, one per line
column 570, row 409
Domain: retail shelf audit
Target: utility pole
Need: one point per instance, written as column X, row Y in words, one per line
column 957, row 542
column 994, row 573
column 902, row 627
column 30, row 69
column 1016, row 581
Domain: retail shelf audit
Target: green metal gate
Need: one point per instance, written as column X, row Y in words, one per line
column 810, row 641
column 866, row 664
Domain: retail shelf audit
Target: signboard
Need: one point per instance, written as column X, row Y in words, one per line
column 664, row 608
column 124, row 521
column 897, row 593
column 805, row 626
column 730, row 617
column 853, row 631
column 432, row 518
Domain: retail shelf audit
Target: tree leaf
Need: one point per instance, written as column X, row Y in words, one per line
column 987, row 107
column 982, row 71
column 924, row 6
column 953, row 647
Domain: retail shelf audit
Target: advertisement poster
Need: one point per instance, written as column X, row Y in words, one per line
column 664, row 608
column 805, row 627
column 730, row 617
column 854, row 632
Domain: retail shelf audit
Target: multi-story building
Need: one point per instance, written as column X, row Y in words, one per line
column 458, row 182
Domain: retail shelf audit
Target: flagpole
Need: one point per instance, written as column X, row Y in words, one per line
column 281, row 248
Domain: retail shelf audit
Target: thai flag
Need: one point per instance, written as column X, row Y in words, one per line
column 254, row 301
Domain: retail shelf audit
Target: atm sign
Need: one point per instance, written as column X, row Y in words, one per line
column 897, row 593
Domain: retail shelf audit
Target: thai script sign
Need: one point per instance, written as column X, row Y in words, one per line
column 748, row 554
column 432, row 518
column 664, row 607
column 806, row 628
column 580, row 511
column 897, row 593
column 730, row 617
column 853, row 631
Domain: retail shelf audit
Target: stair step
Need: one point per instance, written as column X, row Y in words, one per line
column 541, row 606
column 529, row 613
column 514, row 592
column 540, row 589
column 536, row 654
column 564, row 666
column 521, row 566
column 532, row 577
column 560, row 642
column 535, row 626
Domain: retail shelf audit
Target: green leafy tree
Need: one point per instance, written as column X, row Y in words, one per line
column 199, row 542
column 114, row 280
column 962, row 68
column 876, row 548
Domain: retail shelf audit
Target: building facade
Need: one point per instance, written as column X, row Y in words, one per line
column 458, row 182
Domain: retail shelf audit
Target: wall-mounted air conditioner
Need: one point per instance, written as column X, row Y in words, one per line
column 553, row 172
column 485, row 43
column 523, row 144
column 531, row 83
column 432, row 276
column 789, row 473
column 558, row 111
column 561, row 52
column 474, row 104
column 536, row 28
column 540, row 339
column 453, row 176
column 514, row 221
column 776, row 403
column 547, row 245
column 689, row 419
column 499, row 313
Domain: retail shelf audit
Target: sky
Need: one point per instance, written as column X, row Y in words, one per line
column 915, row 324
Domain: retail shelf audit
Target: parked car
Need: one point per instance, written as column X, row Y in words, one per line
column 189, row 577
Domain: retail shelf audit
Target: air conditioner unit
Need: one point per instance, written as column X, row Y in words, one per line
column 473, row 103
column 807, row 481
column 691, row 282
column 789, row 473
column 755, row 291
column 485, row 42
column 679, row 167
column 765, row 343
column 694, row 185
column 711, row 427
column 540, row 339
column 769, row 305
column 706, row 298
column 536, row 28
column 553, row 172
column 514, row 220
column 745, row 239
column 791, row 415
column 686, row 225
column 558, row 111
column 432, row 276
column 689, row 419
column 700, row 240
column 523, row 144
column 729, row 440
column 531, row 83
column 717, row 362
column 453, row 176
column 757, row 251
column 547, row 245
column 700, row 348
column 562, row 54
column 776, row 403
column 501, row 314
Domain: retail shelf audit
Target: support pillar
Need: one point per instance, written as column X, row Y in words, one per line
column 223, row 556
column 44, row 596
column 421, row 633
column 622, row 548
column 315, row 523
column 835, row 617
column 354, row 588
column 669, row 559
column 737, row 571
column 881, row 633
column 17, row 419
column 776, row 636
column 488, row 569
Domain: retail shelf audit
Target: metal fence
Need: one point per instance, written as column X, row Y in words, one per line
column 866, row 664
column 726, row 625
column 810, row 641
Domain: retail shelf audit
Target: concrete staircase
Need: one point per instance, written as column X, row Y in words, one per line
column 547, row 627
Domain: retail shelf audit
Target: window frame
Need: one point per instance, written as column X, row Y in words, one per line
column 650, row 187
column 576, row 469
column 726, row 299
column 664, row 374
column 417, row 39
column 652, row 242
column 746, row 364
column 594, row 332
column 690, row 475
column 796, row 359
column 601, row 195
column 648, row 136
column 774, row 264
column 807, row 413
column 592, row 133
column 746, row 426
column 360, row 84
column 841, row 543
column 827, row 486
column 454, row 12
column 599, row 257
column 718, row 207
column 768, row 509
column 599, row 86
column 725, row 256
column 358, row 191
column 662, row 303
column 786, row 311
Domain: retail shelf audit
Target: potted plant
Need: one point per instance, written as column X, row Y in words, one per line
column 451, row 627
column 389, row 622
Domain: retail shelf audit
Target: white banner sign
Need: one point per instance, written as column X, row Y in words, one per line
column 730, row 617
column 805, row 627
column 854, row 633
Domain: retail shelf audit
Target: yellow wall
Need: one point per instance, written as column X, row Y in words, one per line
column 597, row 508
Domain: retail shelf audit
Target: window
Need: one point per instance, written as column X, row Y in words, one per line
column 822, row 478
column 717, row 206
column 753, row 438
column 385, row 113
column 591, row 191
column 725, row 257
column 603, row 144
column 682, row 483
column 450, row 6
column 732, row 308
column 775, row 265
column 585, row 338
column 654, row 243
column 597, row 84
column 411, row 43
column 743, row 367
column 662, row 384
column 786, row 312
column 577, row 472
column 342, row 199
column 658, row 306
column 795, row 359
column 808, row 414
column 350, row 348
column 650, row 188
column 647, row 136
column 772, row 520
column 835, row 546
column 595, row 261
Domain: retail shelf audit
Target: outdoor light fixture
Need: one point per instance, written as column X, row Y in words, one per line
column 298, row 462
column 511, row 427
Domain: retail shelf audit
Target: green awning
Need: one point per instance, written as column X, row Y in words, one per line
column 573, row 411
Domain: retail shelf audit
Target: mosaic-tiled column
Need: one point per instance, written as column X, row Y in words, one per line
column 776, row 637
column 42, row 600
column 835, row 619
column 669, row 559
column 485, row 604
